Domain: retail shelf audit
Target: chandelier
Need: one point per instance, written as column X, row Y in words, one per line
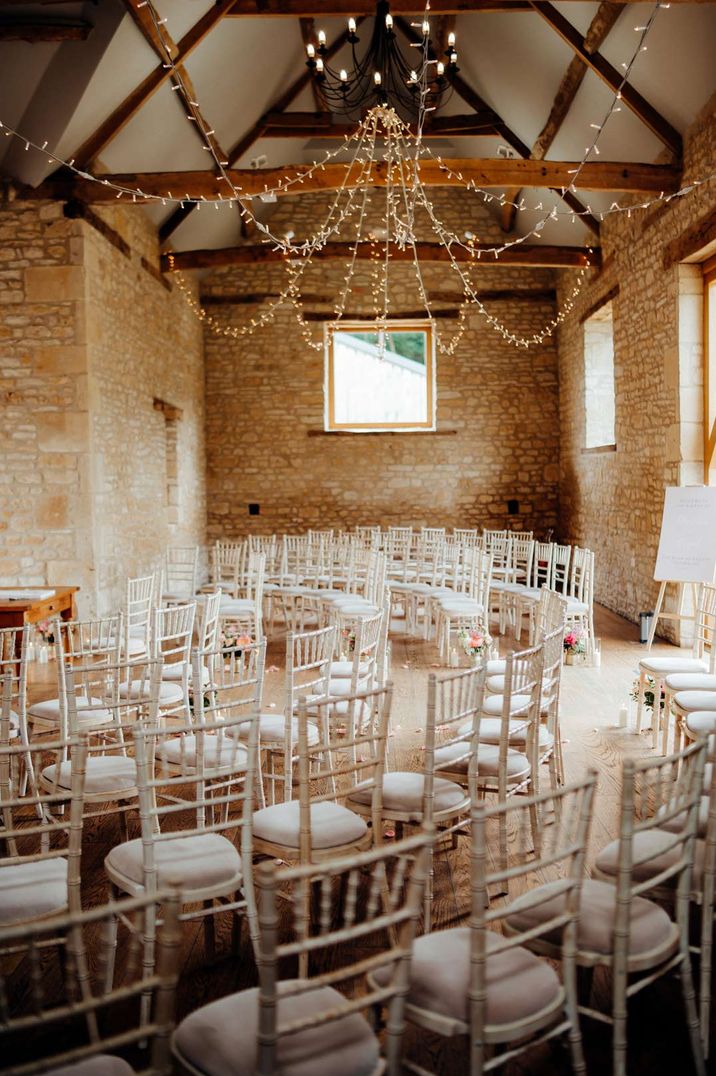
column 383, row 75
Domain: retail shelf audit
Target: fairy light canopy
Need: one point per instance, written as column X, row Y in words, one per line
column 407, row 99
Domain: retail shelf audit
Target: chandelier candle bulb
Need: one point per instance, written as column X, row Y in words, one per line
column 351, row 26
column 389, row 21
column 344, row 75
column 377, row 78
column 441, row 69
column 310, row 51
column 321, row 37
column 319, row 66
column 451, row 39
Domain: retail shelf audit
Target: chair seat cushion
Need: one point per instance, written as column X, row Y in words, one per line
column 668, row 665
column 358, row 607
column 575, row 607
column 496, row 667
column 650, row 926
column 221, row 1039
column 170, row 693
column 343, row 670
column 175, row 672
column 221, row 751
column 403, row 791
column 519, row 983
column 14, row 720
column 198, row 861
column 651, row 855
column 32, row 890
column 272, row 729
column 491, row 730
column 695, row 700
column 492, row 705
column 89, row 712
column 691, row 681
column 701, row 723
column 331, row 825
column 99, row 1065
column 488, row 760
column 105, row 774
column 236, row 607
column 468, row 607
column 137, row 645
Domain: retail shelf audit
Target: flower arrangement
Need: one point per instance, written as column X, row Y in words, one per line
column 233, row 639
column 348, row 641
column 649, row 693
column 475, row 641
column 575, row 641
column 47, row 632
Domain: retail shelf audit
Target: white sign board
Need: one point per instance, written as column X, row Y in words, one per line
column 687, row 546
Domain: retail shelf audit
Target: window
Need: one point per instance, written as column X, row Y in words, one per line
column 380, row 380
column 599, row 401
column 710, row 372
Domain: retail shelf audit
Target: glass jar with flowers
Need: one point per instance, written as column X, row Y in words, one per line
column 46, row 646
column 575, row 646
column 475, row 642
column 232, row 640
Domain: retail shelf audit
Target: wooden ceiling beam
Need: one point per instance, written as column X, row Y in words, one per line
column 607, row 14
column 308, row 9
column 488, row 173
column 129, row 107
column 35, row 30
column 320, row 125
column 524, row 254
column 648, row 115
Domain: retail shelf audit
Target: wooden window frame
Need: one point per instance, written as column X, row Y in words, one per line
column 606, row 300
column 709, row 278
column 404, row 325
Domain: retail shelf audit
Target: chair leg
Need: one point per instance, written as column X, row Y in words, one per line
column 707, row 925
column 209, row 934
column 692, row 1016
column 640, row 701
column 110, row 944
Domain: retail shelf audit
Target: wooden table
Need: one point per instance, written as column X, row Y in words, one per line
column 13, row 614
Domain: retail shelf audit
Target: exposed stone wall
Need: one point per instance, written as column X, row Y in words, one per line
column 144, row 344
column 88, row 339
column 612, row 502
column 45, row 501
column 497, row 435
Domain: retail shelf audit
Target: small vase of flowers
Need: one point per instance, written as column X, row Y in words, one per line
column 475, row 642
column 46, row 631
column 649, row 693
column 575, row 646
column 234, row 640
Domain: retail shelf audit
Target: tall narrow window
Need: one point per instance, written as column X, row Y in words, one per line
column 710, row 372
column 599, row 394
column 380, row 380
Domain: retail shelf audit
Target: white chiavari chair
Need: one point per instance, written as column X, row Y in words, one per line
column 315, row 1023
column 207, row 640
column 228, row 566
column 580, row 594
column 14, row 644
column 321, row 824
column 467, row 608
column 245, row 612
column 139, row 603
column 86, row 644
column 485, row 983
column 172, row 635
column 199, row 842
column 40, row 865
column 102, row 1023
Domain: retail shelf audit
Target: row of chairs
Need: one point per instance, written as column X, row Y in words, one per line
column 356, row 946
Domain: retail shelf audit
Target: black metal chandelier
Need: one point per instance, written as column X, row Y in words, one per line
column 383, row 75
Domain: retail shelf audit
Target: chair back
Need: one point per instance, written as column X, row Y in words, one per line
column 14, row 643
column 342, row 758
column 308, row 665
column 561, row 559
column 551, row 612
column 365, row 640
column 383, row 890
column 705, row 629
column 208, row 626
column 91, row 648
column 181, row 567
column 542, row 565
column 173, row 633
column 523, row 550
column 454, row 705
column 561, row 859
column 466, row 536
column 552, row 665
column 228, row 563
column 581, row 581
column 82, row 1009
column 138, row 605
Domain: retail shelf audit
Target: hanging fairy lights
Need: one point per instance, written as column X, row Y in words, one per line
column 382, row 147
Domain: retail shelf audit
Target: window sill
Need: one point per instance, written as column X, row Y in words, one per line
column 598, row 449
column 382, row 433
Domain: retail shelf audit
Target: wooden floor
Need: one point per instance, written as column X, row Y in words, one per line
column 591, row 698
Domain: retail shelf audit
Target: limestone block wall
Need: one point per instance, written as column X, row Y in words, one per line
column 88, row 340
column 144, row 345
column 497, row 420
column 612, row 502
column 45, row 487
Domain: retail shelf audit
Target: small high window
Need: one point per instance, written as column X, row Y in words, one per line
column 599, row 395
column 380, row 380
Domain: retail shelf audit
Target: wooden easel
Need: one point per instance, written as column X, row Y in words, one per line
column 679, row 615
